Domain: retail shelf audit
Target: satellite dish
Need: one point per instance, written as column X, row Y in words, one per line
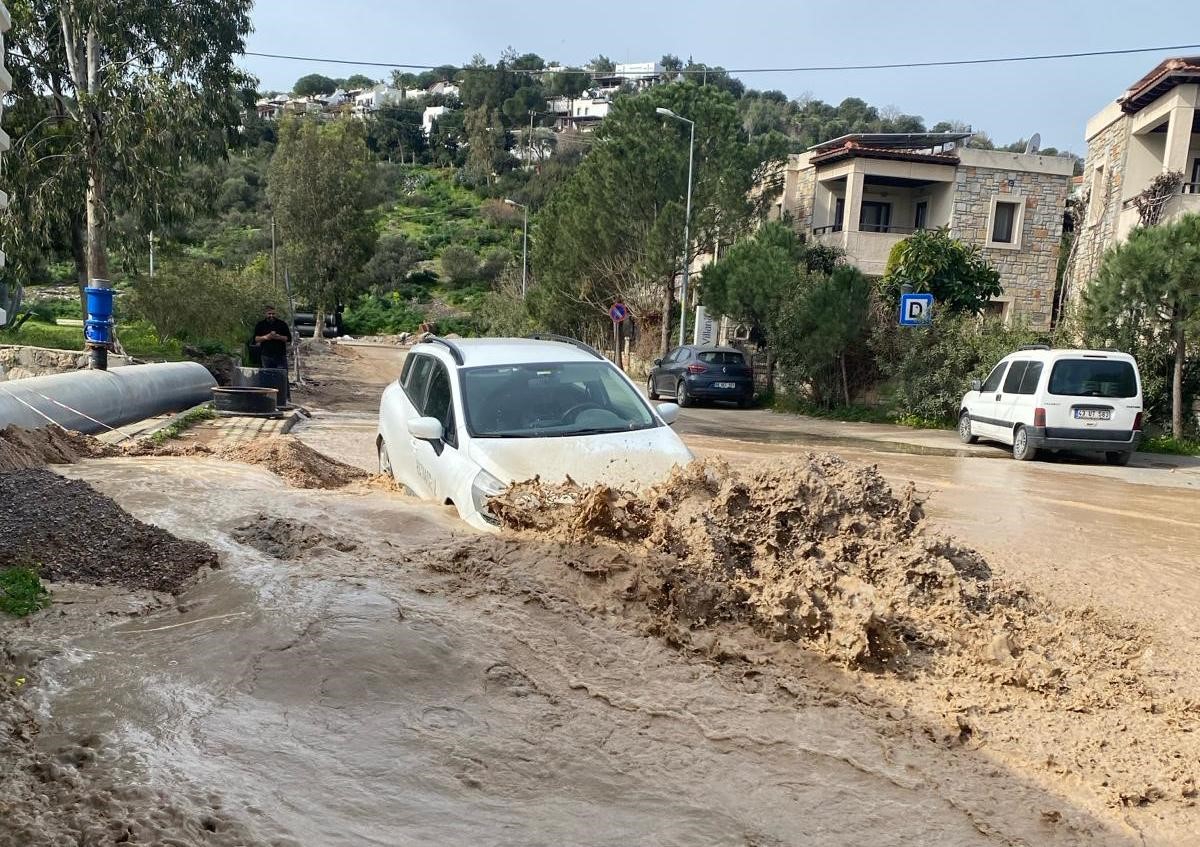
column 1034, row 144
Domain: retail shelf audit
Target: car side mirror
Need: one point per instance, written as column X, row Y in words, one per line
column 657, row 362
column 669, row 412
column 976, row 385
column 426, row 429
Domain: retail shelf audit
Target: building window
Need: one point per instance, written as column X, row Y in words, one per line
column 839, row 214
column 920, row 214
column 997, row 310
column 1194, row 185
column 1002, row 222
column 875, row 217
column 1005, row 221
column 1096, row 199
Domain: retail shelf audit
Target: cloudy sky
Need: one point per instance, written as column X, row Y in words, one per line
column 1008, row 101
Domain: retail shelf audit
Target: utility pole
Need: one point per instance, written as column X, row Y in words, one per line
column 274, row 273
column 687, row 217
column 529, row 142
column 524, row 243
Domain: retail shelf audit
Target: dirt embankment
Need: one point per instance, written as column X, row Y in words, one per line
column 770, row 563
column 22, row 448
column 286, row 538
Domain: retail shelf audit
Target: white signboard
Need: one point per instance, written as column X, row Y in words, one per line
column 706, row 327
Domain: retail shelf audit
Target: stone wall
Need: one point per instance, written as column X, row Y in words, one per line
column 18, row 362
column 801, row 206
column 1096, row 233
column 1027, row 273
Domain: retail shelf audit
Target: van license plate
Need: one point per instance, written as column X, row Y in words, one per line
column 724, row 385
column 1093, row 414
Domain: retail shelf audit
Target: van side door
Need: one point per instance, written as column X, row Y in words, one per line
column 982, row 407
column 1019, row 395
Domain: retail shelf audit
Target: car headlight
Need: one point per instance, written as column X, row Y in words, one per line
column 484, row 486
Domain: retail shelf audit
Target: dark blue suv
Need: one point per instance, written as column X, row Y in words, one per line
column 693, row 373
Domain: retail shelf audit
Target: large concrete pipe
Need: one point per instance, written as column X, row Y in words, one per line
column 112, row 398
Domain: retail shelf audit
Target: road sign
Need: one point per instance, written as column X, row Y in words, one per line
column 916, row 309
column 618, row 312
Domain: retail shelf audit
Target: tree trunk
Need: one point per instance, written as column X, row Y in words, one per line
column 668, row 302
column 319, row 324
column 97, row 224
column 1177, row 376
column 79, row 256
column 845, row 382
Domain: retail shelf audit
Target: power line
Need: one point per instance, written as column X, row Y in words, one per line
column 704, row 70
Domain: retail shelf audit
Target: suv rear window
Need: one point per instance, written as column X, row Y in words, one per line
column 721, row 357
column 1093, row 378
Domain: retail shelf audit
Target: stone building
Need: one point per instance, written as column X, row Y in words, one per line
column 1151, row 129
column 865, row 193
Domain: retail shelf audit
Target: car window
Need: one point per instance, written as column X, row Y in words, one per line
column 721, row 357
column 993, row 381
column 1016, row 372
column 439, row 403
column 545, row 400
column 670, row 357
column 408, row 363
column 680, row 354
column 1029, row 382
column 1110, row 378
column 418, row 380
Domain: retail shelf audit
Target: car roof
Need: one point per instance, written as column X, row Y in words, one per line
column 711, row 348
column 1054, row 355
column 506, row 351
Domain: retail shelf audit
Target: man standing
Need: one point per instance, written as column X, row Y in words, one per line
column 273, row 335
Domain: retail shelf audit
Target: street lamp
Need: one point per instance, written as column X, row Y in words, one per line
column 524, row 243
column 687, row 216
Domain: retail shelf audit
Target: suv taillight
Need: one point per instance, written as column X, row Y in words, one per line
column 1137, row 422
column 1039, row 418
column 697, row 369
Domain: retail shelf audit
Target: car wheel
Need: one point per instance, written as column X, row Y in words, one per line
column 1023, row 451
column 385, row 464
column 650, row 392
column 1118, row 457
column 681, row 394
column 964, row 429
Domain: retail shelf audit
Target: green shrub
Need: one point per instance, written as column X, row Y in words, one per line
column 460, row 265
column 928, row 369
column 22, row 592
column 374, row 315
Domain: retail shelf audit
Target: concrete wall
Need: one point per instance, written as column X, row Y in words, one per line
column 1027, row 269
column 18, row 362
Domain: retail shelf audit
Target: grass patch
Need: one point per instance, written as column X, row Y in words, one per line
column 138, row 338
column 856, row 414
column 183, row 423
column 22, row 592
column 1170, row 445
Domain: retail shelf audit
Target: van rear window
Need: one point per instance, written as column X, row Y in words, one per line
column 1093, row 378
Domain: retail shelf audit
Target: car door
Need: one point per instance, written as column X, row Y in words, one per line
column 401, row 444
column 440, row 463
column 664, row 382
column 678, row 368
column 983, row 406
column 1019, row 394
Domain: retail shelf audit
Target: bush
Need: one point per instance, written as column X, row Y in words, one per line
column 930, row 368
column 394, row 257
column 374, row 315
column 460, row 265
column 494, row 264
column 22, row 592
column 500, row 214
column 195, row 302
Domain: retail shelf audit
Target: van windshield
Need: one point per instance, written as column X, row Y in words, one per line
column 1107, row 378
column 545, row 400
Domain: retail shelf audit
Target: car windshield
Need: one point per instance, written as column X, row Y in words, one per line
column 545, row 400
column 1110, row 378
column 721, row 357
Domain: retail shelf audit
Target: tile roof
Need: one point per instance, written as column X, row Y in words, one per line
column 1165, row 76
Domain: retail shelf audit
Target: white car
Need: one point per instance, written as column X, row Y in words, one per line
column 468, row 417
column 1038, row 398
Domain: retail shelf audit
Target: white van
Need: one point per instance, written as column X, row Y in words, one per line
column 1038, row 398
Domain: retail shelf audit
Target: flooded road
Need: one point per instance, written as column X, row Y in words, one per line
column 370, row 697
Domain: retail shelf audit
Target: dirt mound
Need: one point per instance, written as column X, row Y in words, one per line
column 294, row 461
column 22, row 448
column 822, row 552
column 285, row 538
column 72, row 533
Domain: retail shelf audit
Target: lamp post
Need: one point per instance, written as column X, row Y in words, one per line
column 524, row 243
column 687, row 216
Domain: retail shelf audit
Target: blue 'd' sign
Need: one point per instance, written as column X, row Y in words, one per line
column 916, row 309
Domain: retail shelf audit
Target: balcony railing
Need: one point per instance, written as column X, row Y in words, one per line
column 891, row 230
column 1190, row 188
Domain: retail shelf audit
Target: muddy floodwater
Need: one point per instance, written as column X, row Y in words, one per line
column 364, row 669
